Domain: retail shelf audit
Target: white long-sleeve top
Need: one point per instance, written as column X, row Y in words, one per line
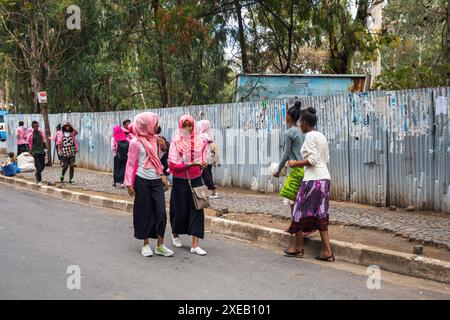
column 315, row 149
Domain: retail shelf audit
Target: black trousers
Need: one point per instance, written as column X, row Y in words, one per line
column 21, row 148
column 119, row 170
column 184, row 219
column 39, row 163
column 149, row 211
column 208, row 177
column 68, row 162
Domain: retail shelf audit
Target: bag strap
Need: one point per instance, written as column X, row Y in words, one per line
column 189, row 179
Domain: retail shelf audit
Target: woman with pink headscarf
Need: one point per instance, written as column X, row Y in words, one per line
column 146, row 182
column 186, row 160
column 119, row 147
column 206, row 132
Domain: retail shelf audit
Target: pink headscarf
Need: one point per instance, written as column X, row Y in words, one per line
column 204, row 129
column 144, row 131
column 119, row 135
column 190, row 145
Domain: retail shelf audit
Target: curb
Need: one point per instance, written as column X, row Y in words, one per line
column 388, row 260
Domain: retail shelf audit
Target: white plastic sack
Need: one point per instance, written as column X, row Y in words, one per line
column 25, row 162
column 274, row 169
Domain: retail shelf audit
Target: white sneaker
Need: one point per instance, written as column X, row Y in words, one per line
column 162, row 250
column 147, row 251
column 198, row 251
column 177, row 242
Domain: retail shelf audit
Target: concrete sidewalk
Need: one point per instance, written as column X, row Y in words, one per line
column 429, row 228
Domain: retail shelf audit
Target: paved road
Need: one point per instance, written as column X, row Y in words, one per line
column 429, row 229
column 41, row 236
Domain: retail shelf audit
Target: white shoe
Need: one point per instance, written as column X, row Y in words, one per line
column 177, row 242
column 162, row 250
column 39, row 184
column 198, row 251
column 147, row 251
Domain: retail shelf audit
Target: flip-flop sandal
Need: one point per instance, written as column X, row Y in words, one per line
column 298, row 254
column 327, row 259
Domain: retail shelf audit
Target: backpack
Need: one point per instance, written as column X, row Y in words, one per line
column 122, row 150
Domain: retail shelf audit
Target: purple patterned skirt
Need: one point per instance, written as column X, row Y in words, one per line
column 311, row 207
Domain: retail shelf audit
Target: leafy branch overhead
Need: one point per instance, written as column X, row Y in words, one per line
column 132, row 54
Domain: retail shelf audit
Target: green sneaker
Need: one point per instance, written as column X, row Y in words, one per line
column 61, row 178
column 162, row 250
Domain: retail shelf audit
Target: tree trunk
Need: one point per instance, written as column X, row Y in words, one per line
column 44, row 112
column 242, row 42
column 448, row 31
column 17, row 82
column 161, row 66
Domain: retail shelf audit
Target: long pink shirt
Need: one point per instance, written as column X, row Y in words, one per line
column 114, row 146
column 132, row 162
column 30, row 138
column 21, row 134
column 178, row 168
column 114, row 142
column 59, row 138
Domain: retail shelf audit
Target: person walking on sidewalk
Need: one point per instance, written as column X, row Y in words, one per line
column 146, row 182
column 119, row 147
column 21, row 134
column 204, row 128
column 67, row 148
column 311, row 206
column 292, row 141
column 37, row 146
column 186, row 160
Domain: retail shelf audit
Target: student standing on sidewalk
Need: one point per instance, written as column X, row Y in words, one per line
column 204, row 128
column 186, row 159
column 21, row 134
column 146, row 182
column 67, row 148
column 292, row 141
column 37, row 146
column 119, row 147
column 311, row 206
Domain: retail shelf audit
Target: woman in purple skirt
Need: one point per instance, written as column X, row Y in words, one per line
column 311, row 206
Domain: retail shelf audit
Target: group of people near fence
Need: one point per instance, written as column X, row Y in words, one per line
column 143, row 163
column 32, row 140
column 147, row 164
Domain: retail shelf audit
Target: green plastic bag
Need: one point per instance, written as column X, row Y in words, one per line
column 292, row 183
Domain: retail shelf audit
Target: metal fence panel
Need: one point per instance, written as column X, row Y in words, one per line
column 386, row 147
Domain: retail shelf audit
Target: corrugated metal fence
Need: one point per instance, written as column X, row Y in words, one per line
column 386, row 147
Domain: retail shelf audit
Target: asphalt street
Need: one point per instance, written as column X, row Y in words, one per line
column 41, row 236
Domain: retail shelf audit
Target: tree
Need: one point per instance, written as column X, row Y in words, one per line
column 38, row 33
